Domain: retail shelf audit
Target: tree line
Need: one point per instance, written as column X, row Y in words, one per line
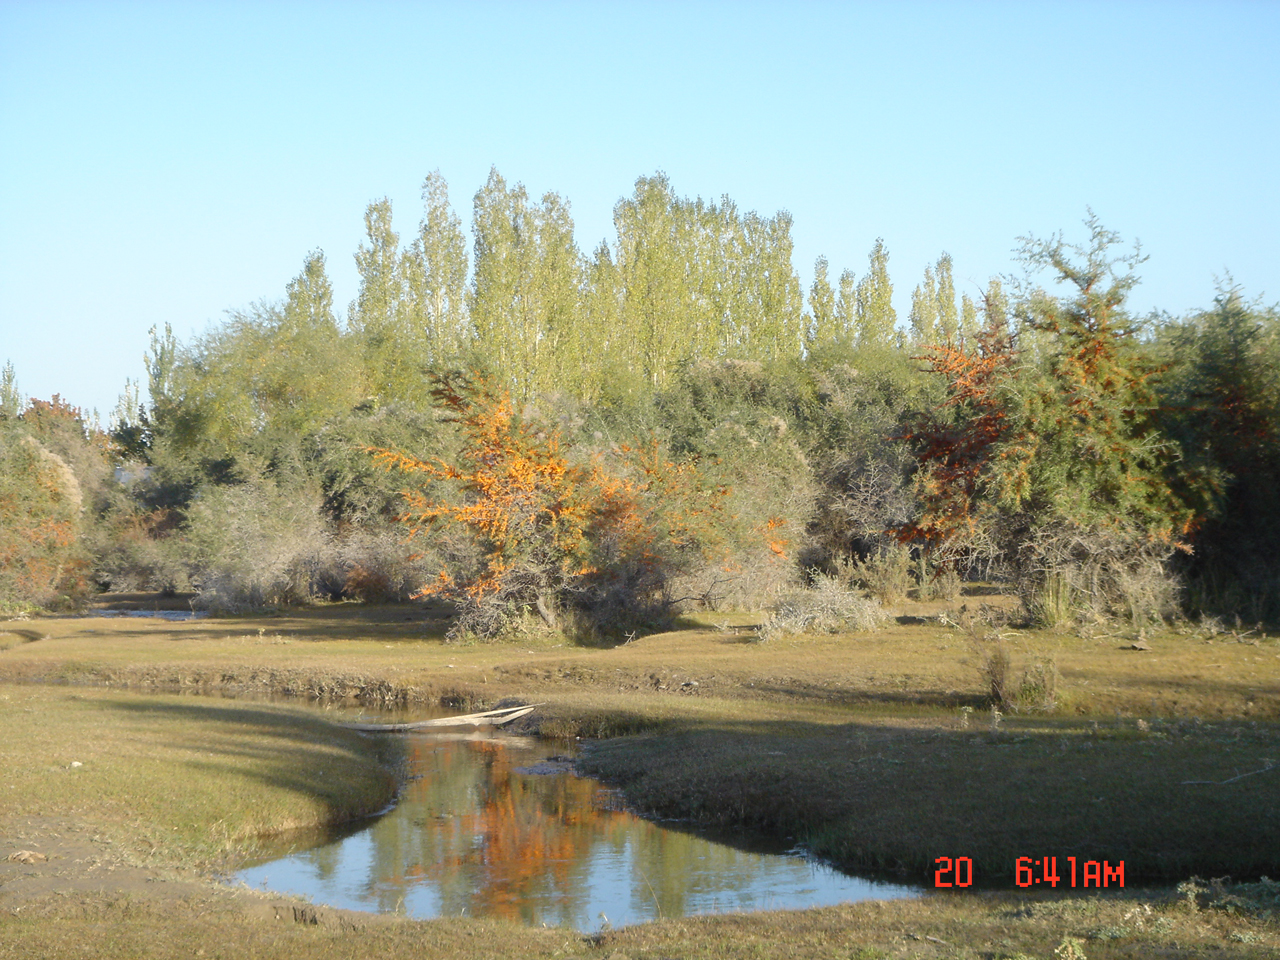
column 1099, row 462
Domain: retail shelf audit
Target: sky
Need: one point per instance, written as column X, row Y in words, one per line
column 167, row 162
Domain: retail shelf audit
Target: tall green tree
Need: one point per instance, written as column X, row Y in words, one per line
column 969, row 323
column 436, row 274
column 656, row 296
column 924, row 310
column 10, row 398
column 381, row 300
column 847, row 308
column 877, row 320
column 501, row 286
column 1221, row 401
column 280, row 369
column 774, row 330
column 526, row 294
column 308, row 376
column 995, row 306
column 563, row 354
column 393, row 352
column 948, row 319
column 822, row 307
column 610, row 375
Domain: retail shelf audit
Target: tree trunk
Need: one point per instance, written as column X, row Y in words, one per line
column 545, row 612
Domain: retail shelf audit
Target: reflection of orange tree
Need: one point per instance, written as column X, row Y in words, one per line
column 528, row 846
column 552, row 532
column 492, row 840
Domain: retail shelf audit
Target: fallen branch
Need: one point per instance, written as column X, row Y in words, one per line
column 1218, row 783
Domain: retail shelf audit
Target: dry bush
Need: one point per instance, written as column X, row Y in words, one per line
column 41, row 556
column 256, row 546
column 887, row 574
column 1035, row 690
column 938, row 581
column 373, row 563
column 858, row 498
column 141, row 550
column 827, row 606
column 1069, row 574
column 752, row 578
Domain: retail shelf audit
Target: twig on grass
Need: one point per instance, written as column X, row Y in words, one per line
column 1218, row 783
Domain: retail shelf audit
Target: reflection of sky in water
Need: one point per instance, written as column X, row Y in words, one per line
column 474, row 836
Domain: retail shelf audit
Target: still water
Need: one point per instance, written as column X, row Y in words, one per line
column 497, row 826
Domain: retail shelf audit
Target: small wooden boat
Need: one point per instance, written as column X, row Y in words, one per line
column 489, row 718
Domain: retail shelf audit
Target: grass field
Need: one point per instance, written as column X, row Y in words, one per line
column 878, row 749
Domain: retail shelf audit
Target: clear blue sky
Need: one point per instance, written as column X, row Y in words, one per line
column 166, row 162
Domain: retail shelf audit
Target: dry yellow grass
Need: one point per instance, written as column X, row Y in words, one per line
column 185, row 779
column 393, row 653
column 826, row 736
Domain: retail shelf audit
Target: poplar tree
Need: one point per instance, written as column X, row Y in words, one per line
column 968, row 318
column 781, row 304
column 712, row 244
column 821, row 328
column 500, row 287
column 924, row 310
column 605, row 340
column 876, row 318
column 376, row 310
column 561, row 354
column 10, row 400
column 847, row 309
column 526, row 291
column 393, row 351
column 995, row 306
column 435, row 269
column 948, row 321
column 653, row 278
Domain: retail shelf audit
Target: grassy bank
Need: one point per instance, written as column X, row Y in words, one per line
column 394, row 654
column 875, row 749
column 860, row 744
column 986, row 926
column 183, row 780
column 897, row 793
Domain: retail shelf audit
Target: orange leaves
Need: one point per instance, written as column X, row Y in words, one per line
column 776, row 544
column 548, row 527
column 955, row 456
column 521, row 499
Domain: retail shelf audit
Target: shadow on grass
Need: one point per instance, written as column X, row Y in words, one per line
column 902, row 698
column 874, row 797
column 352, row 775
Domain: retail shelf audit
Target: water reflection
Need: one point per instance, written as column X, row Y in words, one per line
column 481, row 834
column 174, row 615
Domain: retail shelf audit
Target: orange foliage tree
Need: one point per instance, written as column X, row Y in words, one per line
column 1051, row 455
column 956, row 448
column 553, row 533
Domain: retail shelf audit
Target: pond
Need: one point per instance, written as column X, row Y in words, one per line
column 498, row 826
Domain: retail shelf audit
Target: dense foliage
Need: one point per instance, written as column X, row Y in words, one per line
column 599, row 438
